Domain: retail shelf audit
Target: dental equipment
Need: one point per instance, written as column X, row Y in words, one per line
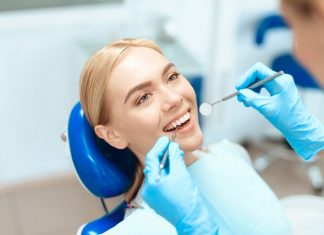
column 206, row 108
column 164, row 158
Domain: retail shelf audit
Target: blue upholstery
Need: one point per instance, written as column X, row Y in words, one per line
column 285, row 61
column 106, row 222
column 268, row 22
column 98, row 173
column 98, row 170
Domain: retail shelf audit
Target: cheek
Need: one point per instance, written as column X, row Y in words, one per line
column 140, row 128
column 141, row 122
column 194, row 141
column 188, row 92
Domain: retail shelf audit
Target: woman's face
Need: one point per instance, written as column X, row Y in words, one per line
column 147, row 98
column 308, row 38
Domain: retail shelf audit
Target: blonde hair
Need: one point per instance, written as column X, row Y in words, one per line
column 94, row 82
column 95, row 77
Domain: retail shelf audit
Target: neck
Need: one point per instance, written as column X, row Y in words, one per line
column 189, row 158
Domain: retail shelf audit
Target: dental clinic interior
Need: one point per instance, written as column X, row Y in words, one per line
column 43, row 48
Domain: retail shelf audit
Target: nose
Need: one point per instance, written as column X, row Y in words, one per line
column 171, row 99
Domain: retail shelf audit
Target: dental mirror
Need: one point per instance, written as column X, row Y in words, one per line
column 206, row 109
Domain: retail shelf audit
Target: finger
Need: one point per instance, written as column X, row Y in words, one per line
column 241, row 99
column 280, row 84
column 257, row 72
column 266, row 105
column 152, row 160
column 250, row 98
column 159, row 148
column 176, row 156
column 257, row 89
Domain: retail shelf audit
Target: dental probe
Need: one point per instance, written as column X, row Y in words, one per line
column 165, row 155
column 206, row 108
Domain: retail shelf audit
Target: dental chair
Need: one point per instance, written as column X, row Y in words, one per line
column 97, row 170
column 303, row 79
column 103, row 177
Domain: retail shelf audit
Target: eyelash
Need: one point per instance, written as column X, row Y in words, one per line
column 144, row 97
column 176, row 74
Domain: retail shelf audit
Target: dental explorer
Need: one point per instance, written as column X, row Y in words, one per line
column 206, row 108
column 165, row 155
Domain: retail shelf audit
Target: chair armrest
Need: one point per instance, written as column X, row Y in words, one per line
column 104, row 223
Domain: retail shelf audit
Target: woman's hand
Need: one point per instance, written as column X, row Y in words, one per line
column 284, row 109
column 173, row 194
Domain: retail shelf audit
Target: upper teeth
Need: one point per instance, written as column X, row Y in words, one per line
column 178, row 122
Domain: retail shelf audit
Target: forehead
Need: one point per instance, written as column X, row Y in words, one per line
column 137, row 65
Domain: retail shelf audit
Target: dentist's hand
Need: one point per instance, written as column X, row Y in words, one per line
column 174, row 195
column 284, row 109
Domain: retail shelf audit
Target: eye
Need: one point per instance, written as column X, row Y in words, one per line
column 143, row 98
column 173, row 76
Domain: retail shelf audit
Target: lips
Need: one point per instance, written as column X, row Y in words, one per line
column 178, row 122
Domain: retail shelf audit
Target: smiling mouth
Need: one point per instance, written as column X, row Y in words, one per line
column 178, row 123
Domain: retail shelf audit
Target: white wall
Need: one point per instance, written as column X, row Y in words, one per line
column 42, row 53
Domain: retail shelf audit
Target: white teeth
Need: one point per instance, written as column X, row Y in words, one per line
column 178, row 122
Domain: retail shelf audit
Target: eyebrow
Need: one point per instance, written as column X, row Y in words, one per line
column 136, row 88
column 146, row 84
column 167, row 67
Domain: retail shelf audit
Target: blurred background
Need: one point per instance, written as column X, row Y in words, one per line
column 43, row 47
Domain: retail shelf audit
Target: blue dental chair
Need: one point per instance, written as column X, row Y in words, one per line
column 288, row 63
column 97, row 166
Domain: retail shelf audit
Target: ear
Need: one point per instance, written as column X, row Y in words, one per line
column 111, row 136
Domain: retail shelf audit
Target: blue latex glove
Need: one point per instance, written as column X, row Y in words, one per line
column 174, row 195
column 284, row 109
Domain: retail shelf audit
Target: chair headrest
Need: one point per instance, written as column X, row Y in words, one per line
column 99, row 174
column 266, row 24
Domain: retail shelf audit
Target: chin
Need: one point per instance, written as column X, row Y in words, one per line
column 192, row 142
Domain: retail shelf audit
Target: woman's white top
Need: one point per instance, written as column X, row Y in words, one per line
column 235, row 194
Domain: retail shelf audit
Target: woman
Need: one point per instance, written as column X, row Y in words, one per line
column 134, row 97
column 284, row 108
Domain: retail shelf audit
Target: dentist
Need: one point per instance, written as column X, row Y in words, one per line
column 284, row 107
